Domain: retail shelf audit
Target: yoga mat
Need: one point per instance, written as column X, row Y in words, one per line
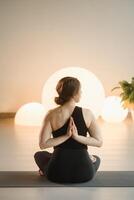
column 33, row 179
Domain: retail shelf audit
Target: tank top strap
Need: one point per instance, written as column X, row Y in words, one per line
column 79, row 118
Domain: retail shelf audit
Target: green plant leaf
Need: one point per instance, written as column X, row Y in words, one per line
column 131, row 97
column 132, row 82
column 127, row 90
column 121, row 94
column 125, row 97
column 123, row 83
column 115, row 88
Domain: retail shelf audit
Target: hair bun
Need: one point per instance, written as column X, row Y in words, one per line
column 59, row 100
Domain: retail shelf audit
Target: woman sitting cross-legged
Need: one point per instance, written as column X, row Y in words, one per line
column 69, row 124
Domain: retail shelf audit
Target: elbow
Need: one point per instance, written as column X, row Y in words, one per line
column 42, row 146
column 100, row 143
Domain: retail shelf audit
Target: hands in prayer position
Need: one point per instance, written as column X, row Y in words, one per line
column 73, row 132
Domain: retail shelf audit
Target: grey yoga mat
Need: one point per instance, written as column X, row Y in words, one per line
column 33, row 179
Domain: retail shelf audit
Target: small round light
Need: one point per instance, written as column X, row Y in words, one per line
column 30, row 114
column 112, row 110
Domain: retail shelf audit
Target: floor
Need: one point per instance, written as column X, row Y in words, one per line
column 18, row 145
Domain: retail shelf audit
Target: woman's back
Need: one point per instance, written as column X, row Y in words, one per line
column 70, row 161
column 81, row 127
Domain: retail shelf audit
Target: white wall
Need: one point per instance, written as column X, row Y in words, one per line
column 38, row 37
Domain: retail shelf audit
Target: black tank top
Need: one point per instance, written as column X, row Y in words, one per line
column 81, row 127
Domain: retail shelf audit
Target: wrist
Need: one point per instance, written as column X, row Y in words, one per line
column 75, row 137
column 67, row 136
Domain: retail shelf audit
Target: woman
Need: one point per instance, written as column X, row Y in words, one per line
column 69, row 125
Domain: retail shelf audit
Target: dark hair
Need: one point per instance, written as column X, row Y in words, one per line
column 67, row 87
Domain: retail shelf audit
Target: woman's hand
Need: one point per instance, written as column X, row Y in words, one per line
column 74, row 129
column 70, row 128
column 92, row 158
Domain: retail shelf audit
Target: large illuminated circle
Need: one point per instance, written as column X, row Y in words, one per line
column 93, row 93
column 112, row 110
column 30, row 114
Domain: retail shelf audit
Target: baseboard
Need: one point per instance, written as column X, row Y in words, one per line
column 4, row 115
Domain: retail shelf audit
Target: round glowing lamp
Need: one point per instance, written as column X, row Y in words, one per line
column 112, row 110
column 93, row 93
column 30, row 114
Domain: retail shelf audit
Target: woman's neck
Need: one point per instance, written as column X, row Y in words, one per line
column 70, row 105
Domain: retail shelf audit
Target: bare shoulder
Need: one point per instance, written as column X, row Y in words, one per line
column 51, row 113
column 48, row 115
column 88, row 116
column 87, row 111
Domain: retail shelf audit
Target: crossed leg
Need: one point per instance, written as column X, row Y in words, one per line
column 97, row 162
column 42, row 158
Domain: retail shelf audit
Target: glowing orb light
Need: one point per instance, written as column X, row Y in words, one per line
column 112, row 110
column 30, row 114
column 93, row 93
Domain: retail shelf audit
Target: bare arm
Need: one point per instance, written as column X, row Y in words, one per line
column 95, row 138
column 45, row 140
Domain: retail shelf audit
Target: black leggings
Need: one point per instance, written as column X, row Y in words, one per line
column 55, row 165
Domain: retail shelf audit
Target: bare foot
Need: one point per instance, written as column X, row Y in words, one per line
column 41, row 173
column 93, row 158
